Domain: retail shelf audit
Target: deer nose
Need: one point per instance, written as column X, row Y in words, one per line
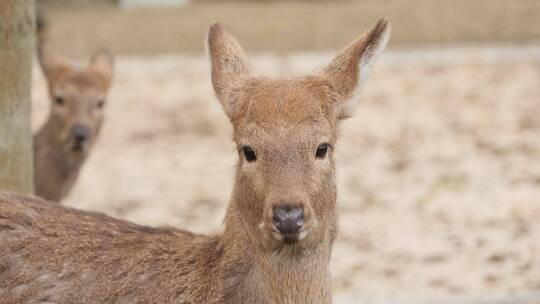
column 288, row 219
column 80, row 132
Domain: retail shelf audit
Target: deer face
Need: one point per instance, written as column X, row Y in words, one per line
column 285, row 138
column 78, row 96
column 285, row 131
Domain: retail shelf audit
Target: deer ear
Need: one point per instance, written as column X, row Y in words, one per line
column 347, row 71
column 229, row 65
column 102, row 63
column 51, row 64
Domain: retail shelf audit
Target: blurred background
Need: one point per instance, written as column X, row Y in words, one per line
column 438, row 172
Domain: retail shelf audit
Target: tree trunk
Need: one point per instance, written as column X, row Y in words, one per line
column 16, row 53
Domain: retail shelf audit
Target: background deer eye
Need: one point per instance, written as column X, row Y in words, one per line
column 100, row 104
column 322, row 150
column 249, row 154
column 59, row 100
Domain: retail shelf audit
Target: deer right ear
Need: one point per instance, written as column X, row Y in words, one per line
column 230, row 67
column 51, row 64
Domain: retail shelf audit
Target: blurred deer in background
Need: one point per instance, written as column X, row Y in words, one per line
column 77, row 96
column 280, row 224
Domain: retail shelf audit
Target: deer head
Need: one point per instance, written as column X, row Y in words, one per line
column 285, row 131
column 78, row 96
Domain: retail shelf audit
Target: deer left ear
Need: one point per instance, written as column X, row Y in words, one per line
column 347, row 71
column 102, row 63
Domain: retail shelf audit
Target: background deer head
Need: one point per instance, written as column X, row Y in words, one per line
column 77, row 95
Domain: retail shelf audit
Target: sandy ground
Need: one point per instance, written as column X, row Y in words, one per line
column 285, row 26
column 439, row 171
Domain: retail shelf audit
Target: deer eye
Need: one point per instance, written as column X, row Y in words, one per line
column 100, row 104
column 249, row 154
column 59, row 100
column 322, row 150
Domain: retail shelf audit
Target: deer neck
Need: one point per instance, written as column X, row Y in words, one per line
column 56, row 169
column 288, row 275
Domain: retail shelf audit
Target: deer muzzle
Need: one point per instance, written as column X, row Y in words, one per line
column 288, row 221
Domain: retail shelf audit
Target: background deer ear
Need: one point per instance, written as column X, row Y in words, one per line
column 102, row 62
column 51, row 64
column 347, row 71
column 230, row 67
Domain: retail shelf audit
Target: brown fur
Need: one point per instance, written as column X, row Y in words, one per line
column 54, row 254
column 83, row 90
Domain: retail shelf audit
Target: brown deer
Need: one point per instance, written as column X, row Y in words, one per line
column 280, row 224
column 78, row 96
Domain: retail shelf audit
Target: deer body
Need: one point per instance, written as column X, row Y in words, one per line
column 77, row 98
column 92, row 258
column 279, row 227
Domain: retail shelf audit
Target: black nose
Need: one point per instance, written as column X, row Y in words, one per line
column 80, row 133
column 288, row 219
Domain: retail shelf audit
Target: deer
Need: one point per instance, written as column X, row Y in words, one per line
column 78, row 96
column 280, row 224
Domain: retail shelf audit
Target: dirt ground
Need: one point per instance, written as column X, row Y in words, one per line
column 284, row 26
column 439, row 171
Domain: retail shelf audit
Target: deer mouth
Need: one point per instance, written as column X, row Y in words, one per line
column 77, row 146
column 289, row 238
